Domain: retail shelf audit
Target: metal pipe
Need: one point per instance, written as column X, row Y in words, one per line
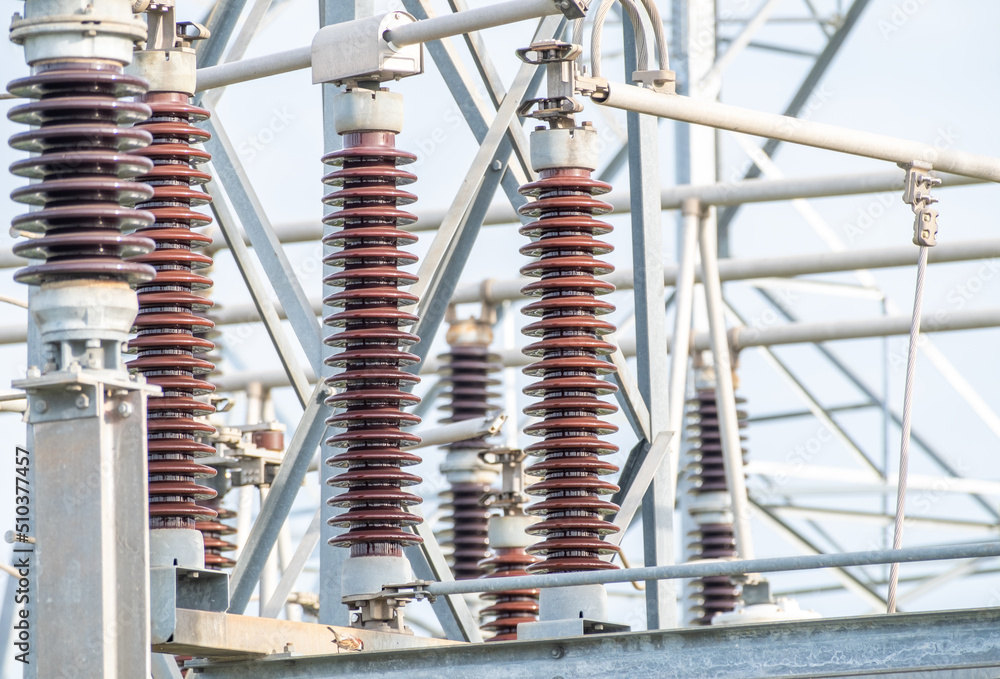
column 683, row 314
column 725, row 396
column 798, row 131
column 671, row 198
column 469, row 21
column 434, row 28
column 252, row 69
column 883, row 326
column 767, row 267
column 744, row 337
column 712, row 568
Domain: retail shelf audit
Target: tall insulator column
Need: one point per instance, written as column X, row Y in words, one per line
column 570, row 368
column 710, row 508
column 508, row 540
column 371, row 331
column 168, row 344
column 466, row 372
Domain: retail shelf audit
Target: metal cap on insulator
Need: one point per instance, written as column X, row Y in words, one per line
column 470, row 331
column 574, row 147
column 372, row 110
column 77, row 29
column 167, row 61
column 509, row 531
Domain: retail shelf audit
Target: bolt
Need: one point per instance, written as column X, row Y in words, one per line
column 33, row 372
column 82, row 401
column 124, row 408
column 557, row 652
column 497, row 165
column 41, row 406
column 289, row 648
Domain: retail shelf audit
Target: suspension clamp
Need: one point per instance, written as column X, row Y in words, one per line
column 917, row 194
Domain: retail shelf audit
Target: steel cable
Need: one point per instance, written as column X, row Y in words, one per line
column 904, row 447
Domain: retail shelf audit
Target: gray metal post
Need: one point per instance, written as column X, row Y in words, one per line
column 724, row 393
column 651, row 332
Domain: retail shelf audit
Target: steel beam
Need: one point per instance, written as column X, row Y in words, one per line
column 264, row 534
column 797, row 131
column 650, row 333
column 723, row 352
column 800, row 99
column 259, row 293
column 230, row 174
column 953, row 644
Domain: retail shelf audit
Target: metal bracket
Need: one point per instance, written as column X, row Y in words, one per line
column 172, row 587
column 383, row 612
column 573, row 9
column 917, row 194
column 661, row 81
column 355, row 51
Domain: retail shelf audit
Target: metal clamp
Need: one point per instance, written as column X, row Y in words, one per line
column 384, row 611
column 511, row 497
column 917, row 194
column 573, row 9
column 661, row 81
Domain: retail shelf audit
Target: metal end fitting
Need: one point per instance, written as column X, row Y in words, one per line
column 917, row 194
column 356, row 52
column 77, row 29
column 167, row 61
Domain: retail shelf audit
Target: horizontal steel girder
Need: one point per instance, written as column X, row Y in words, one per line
column 960, row 644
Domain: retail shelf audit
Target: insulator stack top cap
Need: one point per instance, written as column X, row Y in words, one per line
column 362, row 110
column 77, row 29
column 575, row 147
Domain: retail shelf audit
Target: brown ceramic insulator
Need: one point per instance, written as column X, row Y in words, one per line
column 86, row 164
column 466, row 374
column 571, row 349
column 169, row 351
column 712, row 540
column 214, row 532
column 509, row 609
column 467, row 541
column 371, row 332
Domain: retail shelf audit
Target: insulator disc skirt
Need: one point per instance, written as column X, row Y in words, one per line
column 570, row 347
column 371, row 330
column 169, row 347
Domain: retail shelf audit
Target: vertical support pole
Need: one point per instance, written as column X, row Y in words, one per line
column 725, row 396
column 679, row 370
column 331, row 610
column 651, row 334
column 693, row 48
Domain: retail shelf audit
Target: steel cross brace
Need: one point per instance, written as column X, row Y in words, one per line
column 259, row 292
column 795, row 106
column 268, row 248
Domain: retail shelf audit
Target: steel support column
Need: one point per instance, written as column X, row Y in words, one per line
column 650, row 333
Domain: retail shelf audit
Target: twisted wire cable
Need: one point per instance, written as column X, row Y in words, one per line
column 906, row 425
